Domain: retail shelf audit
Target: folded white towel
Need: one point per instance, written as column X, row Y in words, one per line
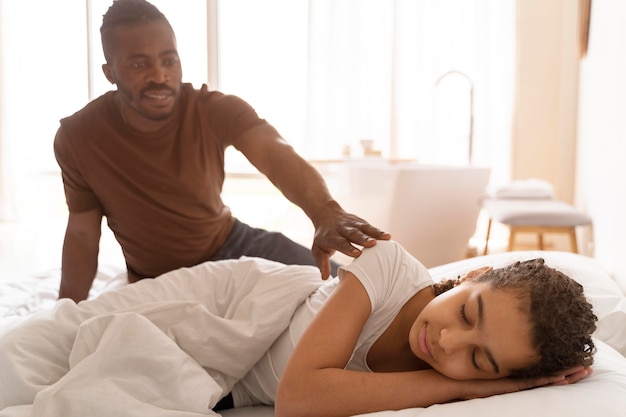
column 529, row 188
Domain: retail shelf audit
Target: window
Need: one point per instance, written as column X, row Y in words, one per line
column 325, row 73
column 329, row 73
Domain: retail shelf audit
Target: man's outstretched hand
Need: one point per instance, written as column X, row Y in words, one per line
column 340, row 231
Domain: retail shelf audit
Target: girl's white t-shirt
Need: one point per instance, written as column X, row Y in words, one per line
column 390, row 275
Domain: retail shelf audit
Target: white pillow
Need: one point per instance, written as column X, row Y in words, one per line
column 602, row 394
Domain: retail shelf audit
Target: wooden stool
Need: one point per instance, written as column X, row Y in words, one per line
column 536, row 216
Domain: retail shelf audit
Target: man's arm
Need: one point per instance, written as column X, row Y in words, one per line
column 335, row 230
column 80, row 254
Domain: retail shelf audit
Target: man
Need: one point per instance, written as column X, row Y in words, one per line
column 150, row 157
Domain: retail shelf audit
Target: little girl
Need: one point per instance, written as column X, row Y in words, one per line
column 383, row 336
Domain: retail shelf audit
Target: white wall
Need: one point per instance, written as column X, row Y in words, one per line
column 601, row 185
column 544, row 127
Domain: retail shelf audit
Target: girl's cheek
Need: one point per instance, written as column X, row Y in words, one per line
column 455, row 369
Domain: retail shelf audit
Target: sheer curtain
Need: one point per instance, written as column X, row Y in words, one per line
column 329, row 73
column 373, row 72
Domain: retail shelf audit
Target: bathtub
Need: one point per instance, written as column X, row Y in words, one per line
column 431, row 210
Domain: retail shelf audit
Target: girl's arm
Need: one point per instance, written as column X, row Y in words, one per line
column 315, row 382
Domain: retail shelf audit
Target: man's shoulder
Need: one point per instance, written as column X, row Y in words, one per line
column 204, row 96
column 98, row 107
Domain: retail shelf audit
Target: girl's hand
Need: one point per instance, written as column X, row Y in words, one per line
column 487, row 388
column 573, row 375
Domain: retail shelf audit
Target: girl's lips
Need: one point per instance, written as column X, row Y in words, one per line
column 423, row 342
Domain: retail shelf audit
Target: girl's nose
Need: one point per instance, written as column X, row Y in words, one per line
column 453, row 340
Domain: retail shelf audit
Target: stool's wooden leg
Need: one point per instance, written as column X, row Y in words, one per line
column 487, row 237
column 572, row 237
column 511, row 238
column 540, row 240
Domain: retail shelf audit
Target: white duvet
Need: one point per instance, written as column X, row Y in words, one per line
column 173, row 346
column 169, row 347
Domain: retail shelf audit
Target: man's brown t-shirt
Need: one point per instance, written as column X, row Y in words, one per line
column 160, row 192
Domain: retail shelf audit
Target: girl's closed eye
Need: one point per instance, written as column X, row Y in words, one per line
column 464, row 315
column 473, row 350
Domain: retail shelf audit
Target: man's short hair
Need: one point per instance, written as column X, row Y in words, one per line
column 128, row 13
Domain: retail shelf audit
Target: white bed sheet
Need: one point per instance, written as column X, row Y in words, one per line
column 26, row 294
column 602, row 394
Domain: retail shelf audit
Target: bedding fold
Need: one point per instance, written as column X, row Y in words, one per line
column 170, row 346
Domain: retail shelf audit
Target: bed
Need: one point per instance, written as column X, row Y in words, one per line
column 173, row 378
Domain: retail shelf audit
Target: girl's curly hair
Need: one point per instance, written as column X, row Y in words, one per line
column 562, row 320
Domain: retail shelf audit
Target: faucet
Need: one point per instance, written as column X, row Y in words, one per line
column 471, row 115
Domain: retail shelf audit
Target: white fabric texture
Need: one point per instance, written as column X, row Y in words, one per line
column 166, row 347
column 602, row 394
column 535, row 212
column 526, row 189
column 23, row 295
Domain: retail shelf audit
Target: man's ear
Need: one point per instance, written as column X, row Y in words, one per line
column 106, row 68
column 473, row 274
